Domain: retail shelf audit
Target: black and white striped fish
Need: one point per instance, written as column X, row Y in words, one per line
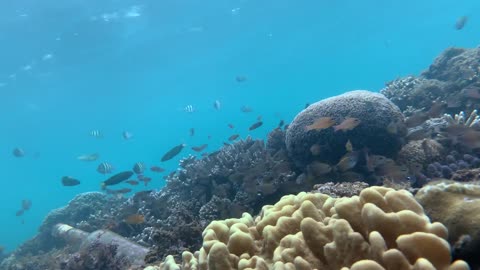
column 105, row 168
column 189, row 109
column 96, row 133
column 139, row 167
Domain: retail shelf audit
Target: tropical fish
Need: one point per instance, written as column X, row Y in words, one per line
column 307, row 105
column 233, row 137
column 373, row 161
column 460, row 23
column 96, row 133
column 255, row 125
column 18, row 152
column 246, row 109
column 318, row 168
column 127, row 135
column 321, row 123
column 280, row 125
column 315, row 149
column 416, row 119
column 231, row 126
column 347, row 124
column 217, row 105
column 241, row 78
column 117, row 179
column 173, row 152
column 132, row 182
column 471, row 91
column 199, row 148
column 192, row 132
column 26, row 204
column 157, row 169
column 349, row 146
column 69, row 181
column 189, row 109
column 19, row 212
column 135, row 219
column 139, row 168
column 145, row 180
column 88, row 157
column 348, row 161
column 105, row 168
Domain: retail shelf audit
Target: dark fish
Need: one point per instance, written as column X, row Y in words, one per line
column 246, row 109
column 18, row 152
column 256, row 125
column 307, row 105
column 135, row 219
column 226, row 144
column 139, row 168
column 132, row 182
column 233, row 137
column 192, row 132
column 241, row 78
column 460, row 23
column 70, row 181
column 19, row 212
column 199, row 148
column 280, row 125
column 157, row 169
column 26, row 204
column 105, row 168
column 145, row 180
column 231, row 126
column 117, row 179
column 127, row 135
column 173, row 152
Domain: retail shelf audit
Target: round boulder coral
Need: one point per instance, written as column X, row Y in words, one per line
column 380, row 130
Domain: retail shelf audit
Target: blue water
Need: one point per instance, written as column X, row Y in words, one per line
column 133, row 65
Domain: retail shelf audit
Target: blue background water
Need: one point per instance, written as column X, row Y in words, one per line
column 133, row 65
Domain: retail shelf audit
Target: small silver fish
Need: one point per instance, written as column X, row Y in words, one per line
column 88, row 157
column 217, row 105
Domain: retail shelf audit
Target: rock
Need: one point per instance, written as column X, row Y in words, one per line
column 375, row 112
column 457, row 206
column 420, row 152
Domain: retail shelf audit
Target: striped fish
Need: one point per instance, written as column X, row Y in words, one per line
column 139, row 167
column 96, row 133
column 105, row 168
column 189, row 109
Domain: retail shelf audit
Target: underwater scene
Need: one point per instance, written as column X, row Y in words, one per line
column 240, row 134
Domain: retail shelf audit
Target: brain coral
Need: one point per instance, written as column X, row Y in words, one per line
column 379, row 229
column 375, row 112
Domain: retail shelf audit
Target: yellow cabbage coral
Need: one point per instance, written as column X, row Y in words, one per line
column 379, row 229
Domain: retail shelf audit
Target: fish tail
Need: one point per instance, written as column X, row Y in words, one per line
column 336, row 128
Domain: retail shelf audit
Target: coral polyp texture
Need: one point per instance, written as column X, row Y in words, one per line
column 380, row 229
column 375, row 112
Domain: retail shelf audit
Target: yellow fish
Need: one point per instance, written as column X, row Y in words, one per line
column 321, row 123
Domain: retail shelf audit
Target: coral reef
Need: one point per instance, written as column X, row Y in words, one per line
column 457, row 206
column 336, row 190
column 379, row 229
column 451, row 78
column 374, row 111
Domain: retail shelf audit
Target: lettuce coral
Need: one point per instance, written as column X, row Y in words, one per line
column 379, row 229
